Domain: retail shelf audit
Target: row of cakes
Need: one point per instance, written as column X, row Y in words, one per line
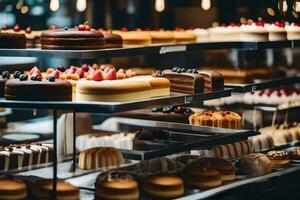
column 281, row 96
column 85, row 37
column 156, row 178
column 250, row 31
column 104, row 83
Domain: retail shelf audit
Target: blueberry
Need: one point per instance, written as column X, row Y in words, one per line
column 182, row 70
column 51, row 79
column 195, row 71
column 166, row 110
column 174, row 69
column 61, row 68
column 23, row 77
column 171, row 108
column 33, row 78
column 17, row 74
column 189, row 71
column 5, row 74
column 188, row 110
column 66, row 28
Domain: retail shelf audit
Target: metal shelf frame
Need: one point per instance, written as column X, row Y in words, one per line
column 146, row 50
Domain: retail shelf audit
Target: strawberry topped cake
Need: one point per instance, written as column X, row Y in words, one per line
column 225, row 33
column 254, row 32
column 293, row 31
column 276, row 31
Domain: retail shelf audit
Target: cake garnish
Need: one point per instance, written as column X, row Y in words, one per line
column 17, row 74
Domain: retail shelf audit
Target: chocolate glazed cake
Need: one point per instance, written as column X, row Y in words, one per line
column 183, row 81
column 44, row 90
column 112, row 40
column 213, row 81
column 72, row 39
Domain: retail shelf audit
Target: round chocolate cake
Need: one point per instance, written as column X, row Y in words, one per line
column 12, row 40
column 44, row 90
column 72, row 39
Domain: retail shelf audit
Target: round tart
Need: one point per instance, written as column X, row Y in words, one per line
column 116, row 186
column 12, row 189
column 278, row 158
column 255, row 164
column 43, row 90
column 43, row 189
column 184, row 37
column 221, row 119
column 72, row 39
column 162, row 37
column 164, row 186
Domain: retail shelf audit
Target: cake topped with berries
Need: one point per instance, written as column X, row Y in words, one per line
column 293, row 31
column 32, row 87
column 82, row 37
column 276, row 31
column 13, row 39
column 254, row 32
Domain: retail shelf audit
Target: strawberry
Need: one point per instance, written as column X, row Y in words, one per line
column 52, row 27
column 98, row 76
column 81, row 27
column 56, row 74
column 121, row 71
column 111, row 75
column 28, row 30
column 4, row 27
column 80, row 72
column 87, row 28
column 33, row 70
column 17, row 28
column 37, row 72
column 85, row 67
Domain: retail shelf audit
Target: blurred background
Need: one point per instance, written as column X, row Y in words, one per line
column 169, row 14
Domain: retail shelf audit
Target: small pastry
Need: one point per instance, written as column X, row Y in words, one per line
column 12, row 189
column 255, row 164
column 295, row 154
column 202, row 174
column 164, row 186
column 65, row 191
column 98, row 157
column 278, row 158
column 116, row 186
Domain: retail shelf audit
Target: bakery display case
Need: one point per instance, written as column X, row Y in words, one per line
column 196, row 130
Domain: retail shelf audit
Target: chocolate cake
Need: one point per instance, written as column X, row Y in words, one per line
column 38, row 90
column 183, row 81
column 12, row 40
column 175, row 114
column 72, row 38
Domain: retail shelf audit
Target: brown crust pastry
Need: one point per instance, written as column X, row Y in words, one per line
column 43, row 189
column 164, row 186
column 12, row 40
column 12, row 189
column 38, row 90
column 221, row 119
column 115, row 186
column 278, row 158
column 98, row 157
column 295, row 154
column 255, row 164
column 72, row 39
